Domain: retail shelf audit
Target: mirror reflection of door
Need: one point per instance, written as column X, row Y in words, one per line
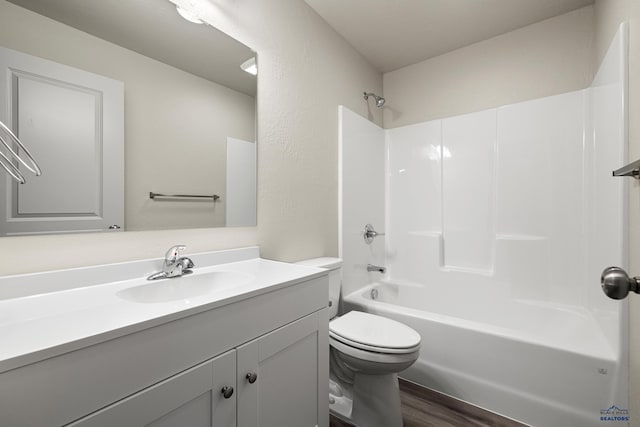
column 73, row 121
column 241, row 183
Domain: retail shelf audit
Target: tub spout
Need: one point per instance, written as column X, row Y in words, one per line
column 371, row 267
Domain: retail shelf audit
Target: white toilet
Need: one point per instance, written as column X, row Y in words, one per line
column 367, row 352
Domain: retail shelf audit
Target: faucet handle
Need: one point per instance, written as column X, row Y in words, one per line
column 370, row 233
column 186, row 262
column 174, row 253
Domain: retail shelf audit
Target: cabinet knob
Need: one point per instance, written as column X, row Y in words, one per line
column 227, row 391
column 252, row 377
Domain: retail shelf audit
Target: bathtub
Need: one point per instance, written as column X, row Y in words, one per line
column 541, row 364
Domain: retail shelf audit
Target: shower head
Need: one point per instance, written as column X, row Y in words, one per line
column 379, row 100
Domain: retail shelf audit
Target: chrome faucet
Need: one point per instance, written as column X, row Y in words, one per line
column 371, row 267
column 174, row 264
column 370, row 233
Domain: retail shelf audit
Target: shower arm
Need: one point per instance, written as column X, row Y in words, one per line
column 379, row 100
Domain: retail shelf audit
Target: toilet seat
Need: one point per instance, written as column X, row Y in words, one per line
column 383, row 362
column 365, row 347
column 369, row 332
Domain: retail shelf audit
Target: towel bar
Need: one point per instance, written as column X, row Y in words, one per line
column 153, row 195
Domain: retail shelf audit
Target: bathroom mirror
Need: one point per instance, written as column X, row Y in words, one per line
column 189, row 108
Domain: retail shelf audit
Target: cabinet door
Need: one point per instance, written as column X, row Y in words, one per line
column 192, row 398
column 283, row 377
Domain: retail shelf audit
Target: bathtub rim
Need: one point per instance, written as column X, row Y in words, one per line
column 608, row 354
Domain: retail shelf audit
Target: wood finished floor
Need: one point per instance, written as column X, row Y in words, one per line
column 422, row 407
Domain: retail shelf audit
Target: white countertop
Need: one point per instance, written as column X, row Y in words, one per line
column 34, row 327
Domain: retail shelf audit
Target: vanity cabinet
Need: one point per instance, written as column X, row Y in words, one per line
column 272, row 381
column 192, row 398
column 271, row 348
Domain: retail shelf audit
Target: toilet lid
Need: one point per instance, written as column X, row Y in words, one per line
column 372, row 332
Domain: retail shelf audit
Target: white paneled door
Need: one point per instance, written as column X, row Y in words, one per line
column 73, row 123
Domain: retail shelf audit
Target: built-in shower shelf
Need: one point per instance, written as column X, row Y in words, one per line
column 632, row 169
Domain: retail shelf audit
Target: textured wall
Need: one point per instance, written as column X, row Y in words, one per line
column 306, row 71
column 550, row 57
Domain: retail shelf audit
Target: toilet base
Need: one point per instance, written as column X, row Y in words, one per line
column 340, row 403
column 375, row 402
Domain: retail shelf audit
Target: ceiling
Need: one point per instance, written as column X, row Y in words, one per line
column 153, row 28
column 392, row 34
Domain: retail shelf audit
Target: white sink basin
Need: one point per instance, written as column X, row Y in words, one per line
column 185, row 287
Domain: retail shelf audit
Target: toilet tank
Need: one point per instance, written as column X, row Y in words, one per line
column 334, row 265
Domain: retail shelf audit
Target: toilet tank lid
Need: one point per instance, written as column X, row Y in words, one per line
column 329, row 263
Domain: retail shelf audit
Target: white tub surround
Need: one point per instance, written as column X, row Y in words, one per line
column 80, row 340
column 498, row 225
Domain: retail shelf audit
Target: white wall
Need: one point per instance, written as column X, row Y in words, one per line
column 306, row 71
column 168, row 114
column 550, row 57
